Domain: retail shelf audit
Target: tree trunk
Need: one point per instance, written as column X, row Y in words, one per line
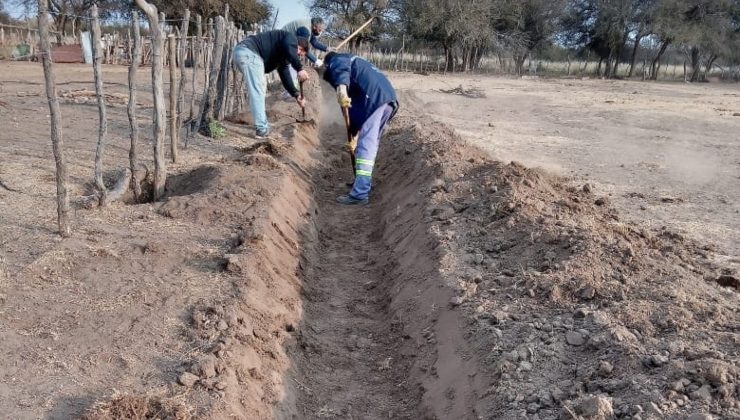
column 654, row 66
column 638, row 38
column 710, row 62
column 174, row 131
column 160, row 116
column 519, row 60
column 695, row 64
column 133, row 123
column 56, row 122
column 598, row 69
column 103, row 121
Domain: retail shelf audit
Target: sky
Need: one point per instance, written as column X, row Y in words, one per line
column 289, row 10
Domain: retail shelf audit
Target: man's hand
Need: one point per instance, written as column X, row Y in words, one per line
column 318, row 63
column 330, row 49
column 342, row 97
column 301, row 101
column 302, row 76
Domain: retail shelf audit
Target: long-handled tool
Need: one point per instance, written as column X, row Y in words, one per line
column 346, row 40
column 303, row 109
column 351, row 143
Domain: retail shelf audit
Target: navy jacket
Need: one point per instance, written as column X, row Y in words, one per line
column 368, row 88
column 278, row 50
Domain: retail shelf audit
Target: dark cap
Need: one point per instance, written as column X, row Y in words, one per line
column 303, row 35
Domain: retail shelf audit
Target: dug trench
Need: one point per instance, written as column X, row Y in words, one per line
column 466, row 289
column 470, row 288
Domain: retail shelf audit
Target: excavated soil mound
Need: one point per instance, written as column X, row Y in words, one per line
column 564, row 303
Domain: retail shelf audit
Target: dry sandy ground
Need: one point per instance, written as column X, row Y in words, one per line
column 663, row 153
column 469, row 288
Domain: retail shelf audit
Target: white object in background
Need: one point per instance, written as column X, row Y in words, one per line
column 86, row 47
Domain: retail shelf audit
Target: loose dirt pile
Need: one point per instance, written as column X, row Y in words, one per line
column 568, row 310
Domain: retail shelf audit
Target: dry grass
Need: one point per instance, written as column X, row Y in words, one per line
column 412, row 61
column 139, row 407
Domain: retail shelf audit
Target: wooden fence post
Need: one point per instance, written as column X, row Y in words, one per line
column 135, row 56
column 208, row 52
column 160, row 166
column 209, row 98
column 197, row 46
column 56, row 122
column 173, row 97
column 103, row 121
column 224, row 75
column 182, row 56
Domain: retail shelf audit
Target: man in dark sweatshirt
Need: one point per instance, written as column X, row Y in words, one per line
column 262, row 53
column 372, row 103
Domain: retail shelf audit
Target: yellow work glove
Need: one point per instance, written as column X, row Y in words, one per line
column 342, row 97
column 352, row 144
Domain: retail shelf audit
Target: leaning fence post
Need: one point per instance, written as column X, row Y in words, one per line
column 135, row 55
column 160, row 166
column 56, row 121
column 103, row 121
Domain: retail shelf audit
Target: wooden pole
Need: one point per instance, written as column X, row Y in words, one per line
column 160, row 166
column 208, row 52
column 56, row 122
column 208, row 102
column 197, row 47
column 103, row 121
column 183, row 53
column 133, row 123
column 224, row 75
column 173, row 97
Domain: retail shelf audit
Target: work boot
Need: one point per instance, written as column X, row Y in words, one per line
column 351, row 201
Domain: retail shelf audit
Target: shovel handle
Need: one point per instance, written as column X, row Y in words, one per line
column 303, row 108
column 345, row 113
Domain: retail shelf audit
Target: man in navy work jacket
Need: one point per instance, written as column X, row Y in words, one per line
column 262, row 53
column 372, row 103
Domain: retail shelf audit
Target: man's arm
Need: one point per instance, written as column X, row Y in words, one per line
column 290, row 45
column 287, row 80
column 310, row 56
column 317, row 44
